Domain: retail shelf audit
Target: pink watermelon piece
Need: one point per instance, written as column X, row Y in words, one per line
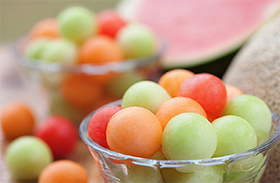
column 200, row 31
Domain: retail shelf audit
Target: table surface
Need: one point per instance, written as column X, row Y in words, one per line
column 14, row 86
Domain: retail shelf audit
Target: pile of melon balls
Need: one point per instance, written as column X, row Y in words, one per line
column 39, row 150
column 77, row 37
column 185, row 116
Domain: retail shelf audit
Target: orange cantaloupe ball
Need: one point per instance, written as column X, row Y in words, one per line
column 175, row 106
column 62, row 171
column 80, row 91
column 45, row 28
column 17, row 119
column 233, row 91
column 134, row 131
column 171, row 80
column 100, row 50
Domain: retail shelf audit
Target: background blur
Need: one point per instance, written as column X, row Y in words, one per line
column 18, row 16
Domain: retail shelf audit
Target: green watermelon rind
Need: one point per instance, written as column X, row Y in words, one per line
column 127, row 7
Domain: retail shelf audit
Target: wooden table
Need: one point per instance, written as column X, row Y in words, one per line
column 14, row 86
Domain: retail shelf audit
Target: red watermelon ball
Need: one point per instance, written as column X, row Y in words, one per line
column 208, row 90
column 109, row 22
column 60, row 134
column 98, row 124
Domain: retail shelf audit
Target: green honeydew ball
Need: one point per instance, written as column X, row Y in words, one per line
column 136, row 40
column 61, row 51
column 26, row 157
column 210, row 174
column 136, row 173
column 35, row 48
column 77, row 23
column 235, row 135
column 233, row 176
column 254, row 110
column 147, row 174
column 189, row 136
column 245, row 164
column 146, row 94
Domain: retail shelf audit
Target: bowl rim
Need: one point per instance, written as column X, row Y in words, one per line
column 177, row 163
column 125, row 65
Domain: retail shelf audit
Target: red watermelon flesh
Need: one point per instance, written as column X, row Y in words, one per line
column 198, row 31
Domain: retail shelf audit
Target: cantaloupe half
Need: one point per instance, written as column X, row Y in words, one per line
column 256, row 70
column 200, row 31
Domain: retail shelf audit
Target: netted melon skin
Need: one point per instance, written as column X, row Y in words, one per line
column 256, row 71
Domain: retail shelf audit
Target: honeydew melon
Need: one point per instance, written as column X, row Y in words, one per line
column 199, row 31
column 256, row 71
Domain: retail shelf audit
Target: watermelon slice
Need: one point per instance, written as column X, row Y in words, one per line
column 200, row 31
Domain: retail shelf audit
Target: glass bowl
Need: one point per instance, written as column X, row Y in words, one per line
column 241, row 167
column 75, row 91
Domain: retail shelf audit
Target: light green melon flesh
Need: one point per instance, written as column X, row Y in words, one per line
column 256, row 71
column 253, row 110
column 35, row 48
column 208, row 174
column 26, row 157
column 189, row 136
column 146, row 94
column 136, row 173
column 218, row 49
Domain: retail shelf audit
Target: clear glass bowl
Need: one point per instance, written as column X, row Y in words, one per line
column 241, row 167
column 76, row 91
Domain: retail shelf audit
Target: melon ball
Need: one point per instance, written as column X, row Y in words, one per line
column 208, row 90
column 47, row 27
column 80, row 91
column 63, row 171
column 189, row 136
column 109, row 22
column 60, row 134
column 209, row 174
column 244, row 164
column 77, row 23
column 134, row 131
column 172, row 80
column 17, row 119
column 235, row 135
column 175, row 106
column 233, row 91
column 137, row 174
column 35, row 48
column 26, row 157
column 147, row 94
column 261, row 168
column 256, row 171
column 255, row 111
column 136, row 40
column 61, row 51
column 100, row 50
column 236, row 176
column 98, row 124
